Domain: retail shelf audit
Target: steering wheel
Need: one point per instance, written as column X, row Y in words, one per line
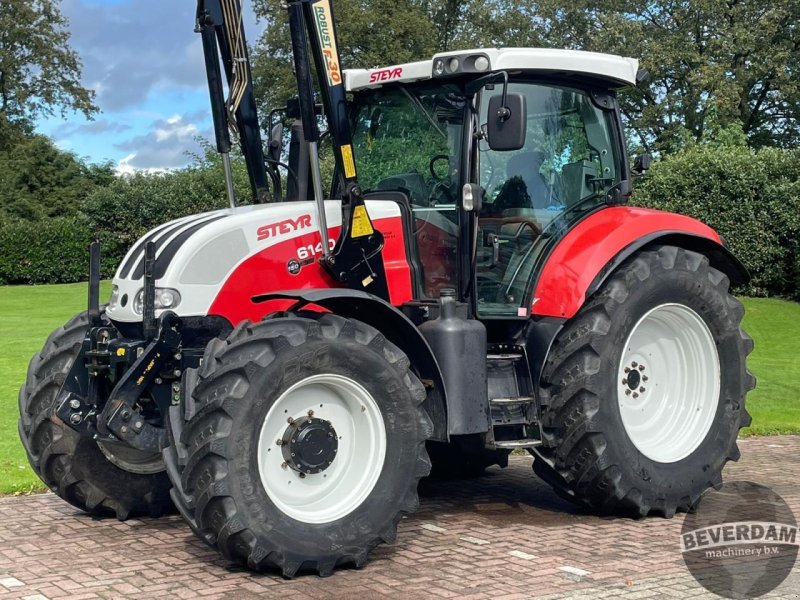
column 523, row 223
column 433, row 162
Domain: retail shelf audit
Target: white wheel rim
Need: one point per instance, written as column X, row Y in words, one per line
column 132, row 460
column 668, row 383
column 340, row 488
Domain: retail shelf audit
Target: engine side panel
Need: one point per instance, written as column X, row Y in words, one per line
column 292, row 265
column 217, row 261
column 592, row 244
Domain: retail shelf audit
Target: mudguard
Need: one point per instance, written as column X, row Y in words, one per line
column 591, row 250
column 393, row 324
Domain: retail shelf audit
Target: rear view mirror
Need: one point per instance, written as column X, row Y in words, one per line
column 506, row 122
column 641, row 164
column 276, row 142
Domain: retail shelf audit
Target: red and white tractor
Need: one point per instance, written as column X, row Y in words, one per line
column 286, row 372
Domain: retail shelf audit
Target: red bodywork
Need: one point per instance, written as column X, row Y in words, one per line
column 589, row 246
column 267, row 272
column 560, row 290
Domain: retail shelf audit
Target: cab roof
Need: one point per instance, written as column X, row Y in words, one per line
column 617, row 70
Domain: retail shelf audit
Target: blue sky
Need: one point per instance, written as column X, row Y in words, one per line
column 145, row 63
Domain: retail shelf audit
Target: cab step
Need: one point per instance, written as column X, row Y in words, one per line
column 514, row 444
column 507, row 401
column 513, row 407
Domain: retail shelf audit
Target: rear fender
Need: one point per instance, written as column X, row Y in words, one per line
column 393, row 324
column 595, row 247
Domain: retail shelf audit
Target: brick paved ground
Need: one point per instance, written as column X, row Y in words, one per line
column 505, row 535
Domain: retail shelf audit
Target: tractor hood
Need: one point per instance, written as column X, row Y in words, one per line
column 196, row 254
column 215, row 262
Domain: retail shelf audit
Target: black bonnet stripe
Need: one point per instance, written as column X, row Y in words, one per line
column 165, row 257
column 166, row 229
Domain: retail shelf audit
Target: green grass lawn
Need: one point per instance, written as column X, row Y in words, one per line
column 29, row 314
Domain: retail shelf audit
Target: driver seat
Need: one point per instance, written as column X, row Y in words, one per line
column 527, row 166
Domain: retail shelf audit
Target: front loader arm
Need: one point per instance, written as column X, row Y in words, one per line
column 220, row 24
column 356, row 257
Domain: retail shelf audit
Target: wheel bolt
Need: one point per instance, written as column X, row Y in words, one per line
column 641, row 389
column 284, row 465
column 279, row 442
column 641, row 367
column 627, row 392
column 310, row 413
column 634, row 364
column 635, row 395
column 624, row 382
column 644, row 377
column 302, row 475
column 290, row 420
column 627, row 369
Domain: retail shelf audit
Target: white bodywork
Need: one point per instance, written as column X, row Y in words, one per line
column 618, row 69
column 207, row 258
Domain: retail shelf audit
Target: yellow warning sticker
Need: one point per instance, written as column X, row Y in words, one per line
column 361, row 223
column 349, row 163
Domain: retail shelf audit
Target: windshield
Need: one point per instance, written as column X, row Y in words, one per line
column 409, row 139
column 569, row 157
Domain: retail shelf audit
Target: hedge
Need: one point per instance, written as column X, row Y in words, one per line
column 752, row 198
column 56, row 250
column 48, row 251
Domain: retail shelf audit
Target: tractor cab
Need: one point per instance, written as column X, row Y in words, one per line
column 424, row 130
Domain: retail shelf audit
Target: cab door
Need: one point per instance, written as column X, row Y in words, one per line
column 533, row 194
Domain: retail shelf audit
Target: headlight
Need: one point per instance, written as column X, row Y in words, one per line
column 481, row 63
column 114, row 300
column 165, row 298
column 465, row 64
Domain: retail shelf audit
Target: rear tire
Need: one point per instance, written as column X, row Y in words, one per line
column 75, row 467
column 618, row 441
column 225, row 460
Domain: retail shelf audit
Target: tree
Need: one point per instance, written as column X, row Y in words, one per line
column 710, row 61
column 371, row 33
column 38, row 180
column 39, row 72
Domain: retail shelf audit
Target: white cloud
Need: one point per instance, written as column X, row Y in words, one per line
column 133, row 49
column 166, row 145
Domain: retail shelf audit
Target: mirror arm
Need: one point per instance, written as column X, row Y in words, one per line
column 473, row 86
column 504, row 113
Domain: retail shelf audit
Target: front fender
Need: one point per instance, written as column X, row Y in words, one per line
column 393, row 324
column 597, row 245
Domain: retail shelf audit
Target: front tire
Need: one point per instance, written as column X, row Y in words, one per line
column 644, row 389
column 299, row 444
column 98, row 480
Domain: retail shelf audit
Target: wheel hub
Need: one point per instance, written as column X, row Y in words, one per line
column 309, row 445
column 634, row 379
